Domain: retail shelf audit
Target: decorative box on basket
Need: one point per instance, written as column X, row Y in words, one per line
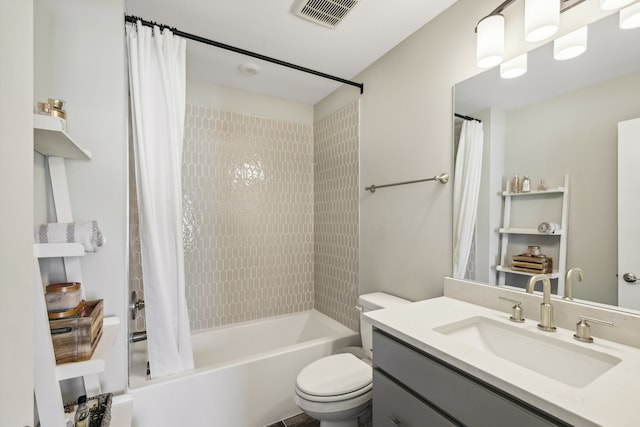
column 75, row 339
column 537, row 264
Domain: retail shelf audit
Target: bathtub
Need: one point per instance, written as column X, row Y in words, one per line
column 244, row 374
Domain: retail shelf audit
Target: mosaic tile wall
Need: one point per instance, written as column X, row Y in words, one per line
column 135, row 261
column 336, row 215
column 249, row 203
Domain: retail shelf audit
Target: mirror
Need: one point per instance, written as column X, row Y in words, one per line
column 558, row 119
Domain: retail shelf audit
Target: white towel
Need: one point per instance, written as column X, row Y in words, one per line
column 86, row 233
column 548, row 227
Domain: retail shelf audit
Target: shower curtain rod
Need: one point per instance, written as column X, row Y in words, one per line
column 134, row 19
column 467, row 117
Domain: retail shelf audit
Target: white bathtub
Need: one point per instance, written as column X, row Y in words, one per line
column 244, row 374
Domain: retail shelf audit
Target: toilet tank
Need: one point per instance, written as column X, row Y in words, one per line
column 370, row 302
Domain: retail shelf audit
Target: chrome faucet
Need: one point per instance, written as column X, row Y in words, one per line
column 569, row 282
column 546, row 309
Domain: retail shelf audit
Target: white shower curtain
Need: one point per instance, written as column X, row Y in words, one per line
column 157, row 64
column 466, row 190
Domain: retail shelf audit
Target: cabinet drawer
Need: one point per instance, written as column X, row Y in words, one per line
column 464, row 397
column 394, row 406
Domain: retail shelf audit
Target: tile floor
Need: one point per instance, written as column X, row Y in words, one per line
column 300, row 420
column 303, row 420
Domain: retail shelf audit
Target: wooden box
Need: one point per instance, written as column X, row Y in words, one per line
column 532, row 264
column 75, row 340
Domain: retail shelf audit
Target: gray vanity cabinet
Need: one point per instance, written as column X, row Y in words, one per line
column 393, row 405
column 415, row 389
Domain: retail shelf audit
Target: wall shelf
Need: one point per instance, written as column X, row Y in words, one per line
column 54, row 250
column 51, row 139
column 554, row 275
column 100, row 357
column 534, row 231
column 535, row 193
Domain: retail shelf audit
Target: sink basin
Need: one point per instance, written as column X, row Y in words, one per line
column 572, row 364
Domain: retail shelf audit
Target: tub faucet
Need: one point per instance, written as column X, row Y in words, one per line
column 569, row 282
column 546, row 309
column 138, row 336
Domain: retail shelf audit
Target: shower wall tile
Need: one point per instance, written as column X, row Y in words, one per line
column 248, row 217
column 336, row 140
column 135, row 259
column 270, row 218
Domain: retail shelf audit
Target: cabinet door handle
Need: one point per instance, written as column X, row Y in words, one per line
column 394, row 420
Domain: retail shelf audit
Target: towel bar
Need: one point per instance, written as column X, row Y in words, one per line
column 443, row 178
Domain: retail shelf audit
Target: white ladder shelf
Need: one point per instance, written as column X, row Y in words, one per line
column 51, row 140
column 504, row 267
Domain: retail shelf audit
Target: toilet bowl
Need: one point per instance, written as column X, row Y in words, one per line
column 337, row 389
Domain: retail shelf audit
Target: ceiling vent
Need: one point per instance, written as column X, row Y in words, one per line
column 328, row 13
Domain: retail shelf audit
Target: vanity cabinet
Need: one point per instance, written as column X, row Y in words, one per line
column 414, row 388
column 395, row 405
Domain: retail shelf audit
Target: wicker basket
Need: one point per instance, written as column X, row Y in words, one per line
column 539, row 264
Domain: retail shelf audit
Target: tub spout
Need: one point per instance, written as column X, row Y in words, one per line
column 139, row 336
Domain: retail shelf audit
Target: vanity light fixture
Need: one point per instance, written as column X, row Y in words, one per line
column 490, row 41
column 514, row 67
column 570, row 45
column 630, row 17
column 614, row 4
column 541, row 19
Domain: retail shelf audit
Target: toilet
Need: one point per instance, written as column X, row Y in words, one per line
column 337, row 389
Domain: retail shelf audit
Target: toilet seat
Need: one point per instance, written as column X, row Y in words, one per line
column 334, row 378
column 335, row 398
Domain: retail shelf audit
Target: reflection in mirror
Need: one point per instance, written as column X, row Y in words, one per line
column 558, row 120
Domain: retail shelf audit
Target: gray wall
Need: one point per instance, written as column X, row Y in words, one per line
column 16, row 227
column 490, row 200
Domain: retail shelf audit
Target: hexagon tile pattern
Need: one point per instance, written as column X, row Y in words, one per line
column 249, row 233
column 336, row 192
column 248, row 184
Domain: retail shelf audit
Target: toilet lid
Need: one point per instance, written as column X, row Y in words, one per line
column 334, row 375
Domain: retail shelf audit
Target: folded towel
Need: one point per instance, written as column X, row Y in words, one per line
column 548, row 227
column 86, row 233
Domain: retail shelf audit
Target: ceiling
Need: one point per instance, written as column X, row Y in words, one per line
column 270, row 28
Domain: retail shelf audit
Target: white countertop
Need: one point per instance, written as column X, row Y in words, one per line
column 610, row 400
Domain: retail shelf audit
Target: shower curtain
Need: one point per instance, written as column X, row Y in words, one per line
column 157, row 63
column 465, row 193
